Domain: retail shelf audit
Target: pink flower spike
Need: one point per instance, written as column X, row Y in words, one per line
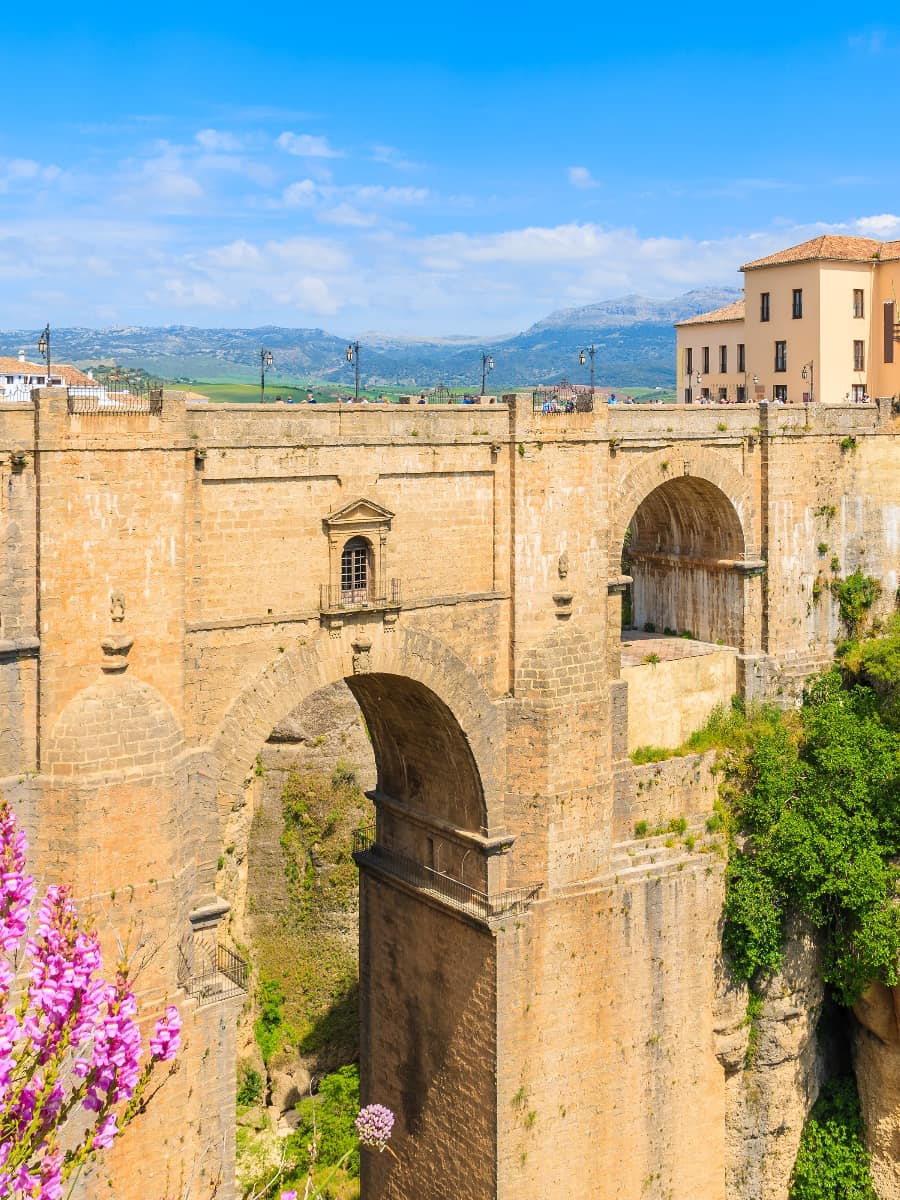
column 166, row 1036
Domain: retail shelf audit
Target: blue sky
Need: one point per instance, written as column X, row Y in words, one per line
column 415, row 169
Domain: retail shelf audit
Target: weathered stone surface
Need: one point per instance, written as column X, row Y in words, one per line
column 876, row 1061
column 774, row 1072
column 494, row 697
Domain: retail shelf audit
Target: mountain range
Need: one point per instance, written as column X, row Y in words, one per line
column 633, row 335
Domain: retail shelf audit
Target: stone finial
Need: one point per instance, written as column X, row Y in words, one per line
column 563, row 565
column 115, row 653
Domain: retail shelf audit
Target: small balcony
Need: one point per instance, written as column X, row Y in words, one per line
column 487, row 908
column 374, row 597
column 218, row 976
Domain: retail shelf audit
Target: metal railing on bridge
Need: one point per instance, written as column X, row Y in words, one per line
column 484, row 906
column 115, row 398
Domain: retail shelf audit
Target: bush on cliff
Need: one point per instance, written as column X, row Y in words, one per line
column 815, row 825
column 832, row 1162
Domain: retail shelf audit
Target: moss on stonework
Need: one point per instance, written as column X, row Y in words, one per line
column 305, row 951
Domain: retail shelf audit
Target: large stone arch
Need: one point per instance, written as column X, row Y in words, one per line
column 692, row 545
column 404, row 681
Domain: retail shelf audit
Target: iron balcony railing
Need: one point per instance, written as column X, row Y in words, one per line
column 115, row 399
column 223, row 980
column 335, row 598
column 482, row 905
column 561, row 401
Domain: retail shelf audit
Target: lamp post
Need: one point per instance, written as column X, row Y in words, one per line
column 812, row 379
column 582, row 358
column 265, row 361
column 699, row 380
column 353, row 357
column 44, row 348
column 487, row 364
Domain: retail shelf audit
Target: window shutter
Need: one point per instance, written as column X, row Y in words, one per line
column 889, row 331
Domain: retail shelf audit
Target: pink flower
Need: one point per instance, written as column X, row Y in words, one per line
column 166, row 1036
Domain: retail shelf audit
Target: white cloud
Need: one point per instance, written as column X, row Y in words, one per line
column 884, row 225
column 307, row 145
column 581, row 177
column 391, row 157
column 347, row 215
column 26, row 172
column 302, row 194
column 218, row 139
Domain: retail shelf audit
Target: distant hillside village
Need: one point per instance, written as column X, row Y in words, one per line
column 818, row 324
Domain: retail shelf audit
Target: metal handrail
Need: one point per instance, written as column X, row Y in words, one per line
column 227, row 979
column 483, row 905
column 386, row 595
column 104, row 398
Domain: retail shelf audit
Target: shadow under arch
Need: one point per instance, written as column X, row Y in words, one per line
column 684, row 550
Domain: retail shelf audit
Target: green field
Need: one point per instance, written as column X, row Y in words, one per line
column 248, row 393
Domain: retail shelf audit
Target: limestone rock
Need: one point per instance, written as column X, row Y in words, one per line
column 877, row 1065
column 769, row 1100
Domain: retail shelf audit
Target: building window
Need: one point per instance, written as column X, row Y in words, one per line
column 859, row 356
column 355, row 571
column 688, row 396
column 797, row 304
column 859, row 393
column 741, row 394
column 723, row 395
column 780, row 393
column 705, row 360
column 859, row 304
column 704, row 395
column 781, row 356
column 742, row 362
column 689, row 360
column 764, row 306
column 723, row 360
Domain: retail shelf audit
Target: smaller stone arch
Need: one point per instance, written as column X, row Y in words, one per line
column 682, row 462
column 684, row 543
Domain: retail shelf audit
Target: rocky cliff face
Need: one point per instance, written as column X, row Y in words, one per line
column 288, row 874
column 876, row 1055
column 775, row 1066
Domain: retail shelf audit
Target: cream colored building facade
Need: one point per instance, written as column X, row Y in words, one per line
column 819, row 323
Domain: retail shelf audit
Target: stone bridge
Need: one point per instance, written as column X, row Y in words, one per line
column 541, row 1002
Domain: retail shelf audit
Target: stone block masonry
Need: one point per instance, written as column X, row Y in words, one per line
column 161, row 612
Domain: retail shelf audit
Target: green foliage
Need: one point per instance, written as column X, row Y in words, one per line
column 828, row 511
column 270, row 1029
column 650, row 659
column 876, row 664
column 331, row 1113
column 649, row 627
column 832, row 1161
column 848, row 444
column 855, row 596
column 755, row 1005
column 641, row 829
column 250, row 1087
column 817, row 803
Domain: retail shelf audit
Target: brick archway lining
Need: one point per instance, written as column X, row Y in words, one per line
column 423, row 678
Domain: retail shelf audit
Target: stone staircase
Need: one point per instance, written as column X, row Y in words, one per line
column 639, row 859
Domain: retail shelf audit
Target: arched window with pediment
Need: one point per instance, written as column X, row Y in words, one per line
column 357, row 576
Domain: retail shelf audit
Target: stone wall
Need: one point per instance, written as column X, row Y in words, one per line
column 192, row 544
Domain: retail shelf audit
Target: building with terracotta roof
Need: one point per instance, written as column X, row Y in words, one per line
column 819, row 322
column 18, row 377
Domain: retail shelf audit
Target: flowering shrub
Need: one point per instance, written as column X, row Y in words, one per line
column 374, row 1125
column 70, row 1047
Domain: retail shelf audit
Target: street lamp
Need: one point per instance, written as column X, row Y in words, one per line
column 582, row 358
column 44, row 348
column 487, row 364
column 812, row 379
column 353, row 356
column 265, row 361
column 698, row 378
